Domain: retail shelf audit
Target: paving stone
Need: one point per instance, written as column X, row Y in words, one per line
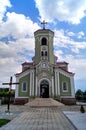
column 40, row 119
column 45, row 117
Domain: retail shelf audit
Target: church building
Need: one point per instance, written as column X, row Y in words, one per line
column 45, row 76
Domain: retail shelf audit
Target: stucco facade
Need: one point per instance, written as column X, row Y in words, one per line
column 45, row 77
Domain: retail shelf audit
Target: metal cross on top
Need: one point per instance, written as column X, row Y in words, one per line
column 10, row 86
column 44, row 23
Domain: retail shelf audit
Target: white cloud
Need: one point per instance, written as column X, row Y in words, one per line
column 14, row 52
column 70, row 34
column 77, row 62
column 3, row 5
column 61, row 40
column 12, row 55
column 59, row 54
column 9, row 64
column 78, row 66
column 18, row 26
column 21, row 29
column 22, row 32
column 64, row 10
column 80, row 34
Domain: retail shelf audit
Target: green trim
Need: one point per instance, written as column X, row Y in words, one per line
column 27, row 80
column 63, row 78
column 48, row 34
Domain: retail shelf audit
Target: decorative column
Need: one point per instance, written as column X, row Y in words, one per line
column 58, row 83
column 52, row 87
column 17, row 89
column 72, row 87
column 30, row 83
column 36, row 87
column 50, row 90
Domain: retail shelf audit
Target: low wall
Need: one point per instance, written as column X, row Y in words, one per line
column 68, row 101
column 20, row 101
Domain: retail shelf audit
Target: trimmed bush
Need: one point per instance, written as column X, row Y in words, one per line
column 82, row 110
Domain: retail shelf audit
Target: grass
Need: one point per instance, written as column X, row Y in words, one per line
column 4, row 122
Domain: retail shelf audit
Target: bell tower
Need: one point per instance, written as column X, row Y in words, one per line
column 44, row 45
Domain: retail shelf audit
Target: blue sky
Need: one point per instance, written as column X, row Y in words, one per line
column 20, row 18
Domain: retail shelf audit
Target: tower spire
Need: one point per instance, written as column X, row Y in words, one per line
column 43, row 23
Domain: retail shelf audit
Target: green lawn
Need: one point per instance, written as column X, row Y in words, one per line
column 3, row 121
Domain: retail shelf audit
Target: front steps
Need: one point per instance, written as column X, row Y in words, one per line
column 44, row 102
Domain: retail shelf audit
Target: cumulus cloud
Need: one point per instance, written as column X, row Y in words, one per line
column 16, row 43
column 76, row 65
column 76, row 62
column 64, row 10
column 19, row 35
column 73, row 57
column 59, row 54
column 62, row 40
column 14, row 27
column 78, row 35
column 70, row 34
column 3, row 6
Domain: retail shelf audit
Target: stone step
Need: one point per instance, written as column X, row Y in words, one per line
column 44, row 102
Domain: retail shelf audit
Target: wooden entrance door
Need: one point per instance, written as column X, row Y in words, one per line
column 44, row 89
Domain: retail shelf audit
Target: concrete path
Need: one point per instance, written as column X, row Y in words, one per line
column 43, row 117
column 40, row 119
column 78, row 119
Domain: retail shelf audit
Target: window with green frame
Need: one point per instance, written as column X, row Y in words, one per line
column 24, row 86
column 65, row 86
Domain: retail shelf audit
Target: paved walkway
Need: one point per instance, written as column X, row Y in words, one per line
column 40, row 115
column 40, row 119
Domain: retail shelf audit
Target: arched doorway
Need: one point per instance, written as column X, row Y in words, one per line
column 44, row 89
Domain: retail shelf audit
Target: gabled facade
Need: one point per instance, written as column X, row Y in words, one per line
column 45, row 77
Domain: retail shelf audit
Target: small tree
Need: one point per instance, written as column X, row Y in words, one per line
column 84, row 95
column 79, row 94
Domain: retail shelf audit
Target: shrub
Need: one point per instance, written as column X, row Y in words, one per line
column 3, row 121
column 82, row 110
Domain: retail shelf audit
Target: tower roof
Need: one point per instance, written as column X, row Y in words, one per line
column 43, row 31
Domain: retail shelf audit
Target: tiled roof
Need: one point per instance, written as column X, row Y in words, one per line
column 66, row 71
column 57, row 64
column 27, row 63
column 61, row 63
column 22, row 71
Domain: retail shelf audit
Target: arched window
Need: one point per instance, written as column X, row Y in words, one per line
column 45, row 53
column 42, row 53
column 65, row 87
column 44, row 41
column 24, row 86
